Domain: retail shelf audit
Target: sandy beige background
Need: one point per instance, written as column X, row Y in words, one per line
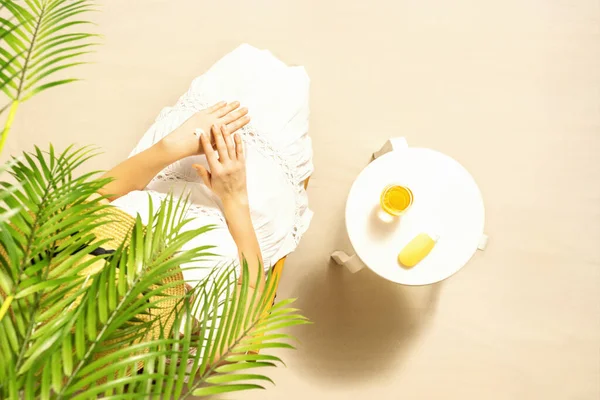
column 509, row 88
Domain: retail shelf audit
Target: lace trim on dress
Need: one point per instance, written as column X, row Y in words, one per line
column 190, row 103
column 196, row 211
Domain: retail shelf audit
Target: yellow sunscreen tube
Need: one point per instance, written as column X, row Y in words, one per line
column 417, row 249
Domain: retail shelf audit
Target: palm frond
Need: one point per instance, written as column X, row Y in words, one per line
column 68, row 333
column 6, row 190
column 37, row 42
column 234, row 333
column 29, row 247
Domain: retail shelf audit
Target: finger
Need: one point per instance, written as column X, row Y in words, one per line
column 239, row 147
column 217, row 106
column 235, row 115
column 221, row 112
column 220, row 142
column 210, row 153
column 240, row 123
column 204, row 174
column 228, row 142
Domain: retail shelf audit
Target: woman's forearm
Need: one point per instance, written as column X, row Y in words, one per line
column 237, row 213
column 136, row 172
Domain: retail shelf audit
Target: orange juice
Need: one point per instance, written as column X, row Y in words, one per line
column 396, row 199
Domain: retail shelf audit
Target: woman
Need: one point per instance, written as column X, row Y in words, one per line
column 247, row 179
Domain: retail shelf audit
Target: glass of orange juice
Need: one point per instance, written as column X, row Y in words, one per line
column 396, row 199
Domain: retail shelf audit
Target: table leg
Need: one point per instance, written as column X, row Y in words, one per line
column 353, row 263
column 393, row 144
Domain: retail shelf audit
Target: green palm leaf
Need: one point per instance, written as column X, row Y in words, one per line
column 66, row 335
column 37, row 42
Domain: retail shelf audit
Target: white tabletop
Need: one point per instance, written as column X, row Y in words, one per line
column 447, row 201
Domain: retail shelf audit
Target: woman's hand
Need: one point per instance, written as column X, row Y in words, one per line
column 183, row 142
column 227, row 176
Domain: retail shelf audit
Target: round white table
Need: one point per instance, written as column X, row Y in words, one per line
column 447, row 202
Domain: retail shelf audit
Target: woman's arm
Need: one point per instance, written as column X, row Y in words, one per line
column 136, row 172
column 227, row 178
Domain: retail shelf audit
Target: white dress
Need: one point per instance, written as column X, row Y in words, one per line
column 278, row 153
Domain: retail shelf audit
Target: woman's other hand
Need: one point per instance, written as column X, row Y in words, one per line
column 183, row 142
column 227, row 176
